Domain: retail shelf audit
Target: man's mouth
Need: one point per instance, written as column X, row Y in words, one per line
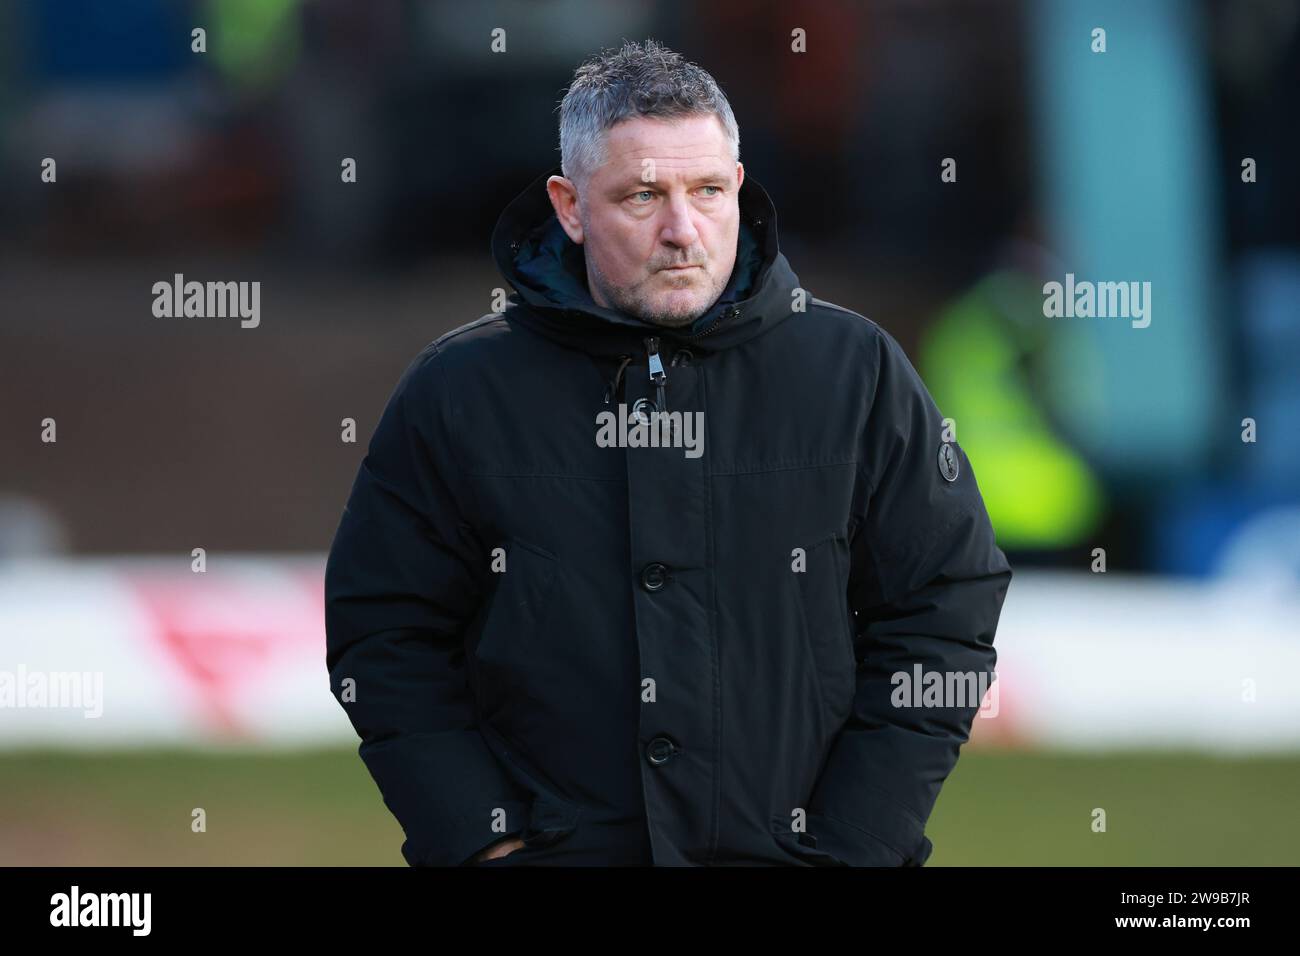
column 679, row 268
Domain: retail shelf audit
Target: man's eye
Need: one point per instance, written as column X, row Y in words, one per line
column 645, row 192
column 716, row 190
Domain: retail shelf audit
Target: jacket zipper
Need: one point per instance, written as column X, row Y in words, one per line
column 658, row 377
column 655, row 364
column 728, row 313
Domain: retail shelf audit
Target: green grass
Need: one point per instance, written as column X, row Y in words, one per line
column 321, row 808
column 302, row 808
column 1162, row 809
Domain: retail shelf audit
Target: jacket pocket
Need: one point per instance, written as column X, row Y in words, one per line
column 515, row 617
column 802, row 846
column 822, row 594
column 550, row 821
column 510, row 645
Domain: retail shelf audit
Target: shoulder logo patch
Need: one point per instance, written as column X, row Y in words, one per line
column 948, row 461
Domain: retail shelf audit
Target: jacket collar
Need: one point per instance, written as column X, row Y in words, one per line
column 548, row 273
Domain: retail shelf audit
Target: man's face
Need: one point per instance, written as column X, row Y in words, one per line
column 658, row 221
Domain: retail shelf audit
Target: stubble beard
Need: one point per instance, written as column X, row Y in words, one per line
column 627, row 301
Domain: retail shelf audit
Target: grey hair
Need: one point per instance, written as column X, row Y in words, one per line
column 638, row 80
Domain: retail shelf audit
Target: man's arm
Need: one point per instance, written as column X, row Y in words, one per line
column 403, row 579
column 926, row 584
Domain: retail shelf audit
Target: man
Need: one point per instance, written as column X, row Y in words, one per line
column 631, row 568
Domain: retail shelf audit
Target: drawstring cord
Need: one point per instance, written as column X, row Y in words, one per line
column 612, row 389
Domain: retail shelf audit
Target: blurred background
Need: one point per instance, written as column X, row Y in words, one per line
column 1154, row 679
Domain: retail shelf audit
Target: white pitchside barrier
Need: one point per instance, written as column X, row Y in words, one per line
column 145, row 652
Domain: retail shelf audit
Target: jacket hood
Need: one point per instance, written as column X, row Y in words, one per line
column 549, row 275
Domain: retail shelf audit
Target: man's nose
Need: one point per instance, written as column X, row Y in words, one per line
column 679, row 226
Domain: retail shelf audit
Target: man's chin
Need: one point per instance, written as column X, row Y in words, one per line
column 673, row 316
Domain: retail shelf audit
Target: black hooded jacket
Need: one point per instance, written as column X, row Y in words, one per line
column 661, row 652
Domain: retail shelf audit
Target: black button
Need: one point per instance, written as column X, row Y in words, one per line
column 660, row 750
column 654, row 577
column 732, row 312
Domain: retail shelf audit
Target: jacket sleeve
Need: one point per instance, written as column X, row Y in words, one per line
column 926, row 586
column 403, row 579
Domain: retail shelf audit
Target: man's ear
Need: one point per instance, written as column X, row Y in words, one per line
column 740, row 174
column 564, row 198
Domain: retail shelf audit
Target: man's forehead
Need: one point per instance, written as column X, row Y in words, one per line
column 691, row 147
column 667, row 171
